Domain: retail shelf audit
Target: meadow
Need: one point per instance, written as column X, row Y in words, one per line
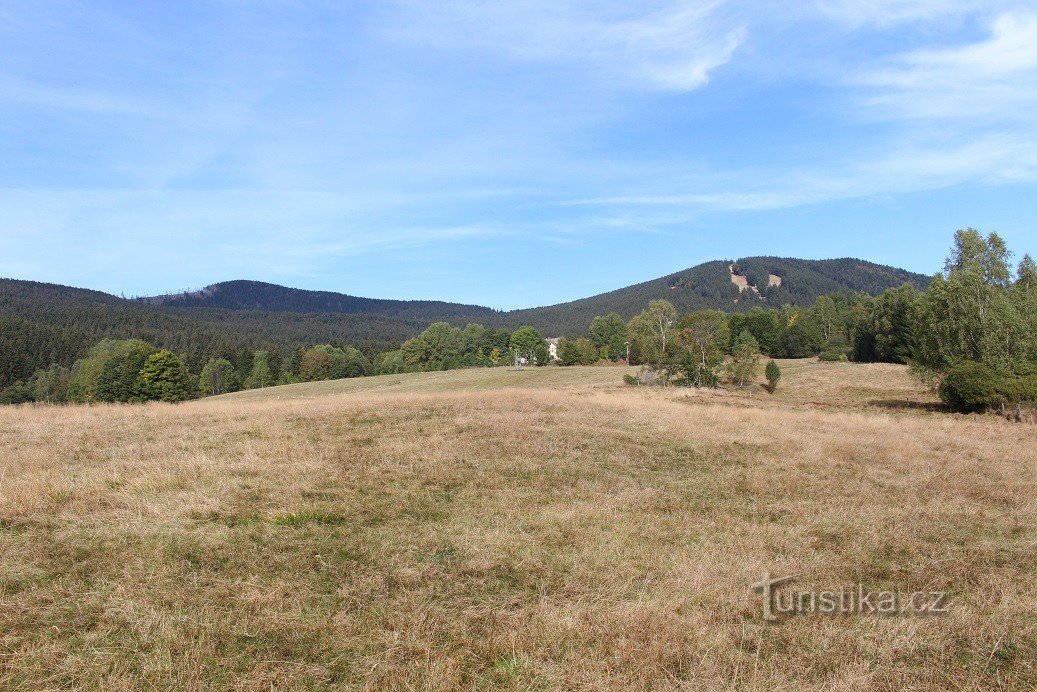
column 492, row 529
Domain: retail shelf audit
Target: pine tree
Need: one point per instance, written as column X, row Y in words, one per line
column 773, row 373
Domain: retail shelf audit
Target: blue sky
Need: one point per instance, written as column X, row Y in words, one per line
column 504, row 153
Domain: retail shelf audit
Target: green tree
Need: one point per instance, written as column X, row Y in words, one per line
column 262, row 374
column 16, row 393
column 472, row 345
column 51, row 385
column 773, row 374
column 704, row 336
column 352, row 363
column 610, row 332
column 578, row 352
column 800, row 340
column 566, row 351
column 764, row 325
column 885, row 332
column 217, row 377
column 164, row 377
column 745, row 359
column 436, row 348
column 826, row 315
column 972, row 312
column 528, row 344
column 86, row 372
column 971, row 387
column 326, row 362
column 654, row 330
column 119, row 379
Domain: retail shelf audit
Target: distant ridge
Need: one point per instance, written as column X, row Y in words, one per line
column 710, row 286
column 235, row 316
column 258, row 295
column 765, row 281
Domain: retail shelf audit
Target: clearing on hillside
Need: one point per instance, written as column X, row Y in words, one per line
column 467, row 380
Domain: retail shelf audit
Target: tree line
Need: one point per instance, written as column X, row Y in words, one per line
column 133, row 370
column 972, row 334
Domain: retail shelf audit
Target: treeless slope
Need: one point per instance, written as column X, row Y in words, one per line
column 541, row 538
column 467, row 380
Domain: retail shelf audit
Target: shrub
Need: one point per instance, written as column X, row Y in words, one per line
column 773, row 373
column 17, row 393
column 631, row 379
column 971, row 387
column 834, row 355
column 801, row 340
column 1021, row 390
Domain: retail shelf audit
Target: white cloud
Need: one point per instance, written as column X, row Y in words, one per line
column 991, row 80
column 885, row 13
column 670, row 46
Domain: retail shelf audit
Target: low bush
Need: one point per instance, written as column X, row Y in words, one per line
column 834, row 355
column 971, row 388
column 1022, row 390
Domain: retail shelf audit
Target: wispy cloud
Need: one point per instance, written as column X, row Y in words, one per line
column 672, row 46
column 284, row 139
column 993, row 80
column 886, row 13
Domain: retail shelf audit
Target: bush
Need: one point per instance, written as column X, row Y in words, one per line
column 801, row 340
column 834, row 355
column 1021, row 390
column 631, row 380
column 694, row 374
column 971, row 387
column 773, row 373
column 17, row 393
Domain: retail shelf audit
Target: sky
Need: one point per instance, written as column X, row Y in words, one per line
column 509, row 154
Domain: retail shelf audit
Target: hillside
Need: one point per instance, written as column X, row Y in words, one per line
column 44, row 323
column 710, row 286
column 261, row 296
column 707, row 285
column 464, row 380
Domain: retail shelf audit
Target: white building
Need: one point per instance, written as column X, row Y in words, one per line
column 552, row 347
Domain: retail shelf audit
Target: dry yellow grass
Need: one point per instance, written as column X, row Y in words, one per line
column 584, row 538
column 469, row 380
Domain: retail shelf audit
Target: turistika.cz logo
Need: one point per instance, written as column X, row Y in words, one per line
column 779, row 600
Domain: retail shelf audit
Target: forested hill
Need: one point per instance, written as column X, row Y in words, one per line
column 257, row 295
column 766, row 281
column 41, row 324
column 770, row 281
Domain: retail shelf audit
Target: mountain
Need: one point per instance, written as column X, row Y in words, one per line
column 257, row 295
column 44, row 323
column 732, row 286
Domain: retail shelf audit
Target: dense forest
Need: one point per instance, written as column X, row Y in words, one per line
column 41, row 324
column 706, row 286
column 260, row 296
column 709, row 287
column 44, row 325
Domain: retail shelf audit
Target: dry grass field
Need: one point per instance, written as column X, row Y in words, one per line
column 461, row 531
